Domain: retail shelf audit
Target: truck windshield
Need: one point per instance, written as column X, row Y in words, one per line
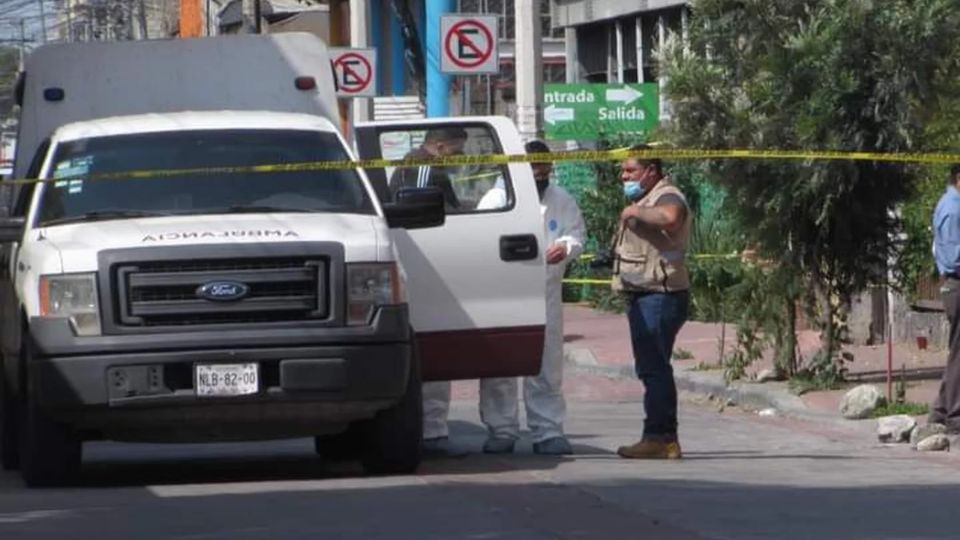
column 76, row 198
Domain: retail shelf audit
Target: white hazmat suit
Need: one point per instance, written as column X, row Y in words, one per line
column 543, row 393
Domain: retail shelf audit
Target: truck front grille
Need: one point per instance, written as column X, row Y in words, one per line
column 167, row 293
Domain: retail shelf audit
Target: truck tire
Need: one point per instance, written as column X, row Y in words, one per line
column 344, row 446
column 392, row 438
column 50, row 452
column 9, row 445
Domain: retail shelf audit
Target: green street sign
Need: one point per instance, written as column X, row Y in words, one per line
column 586, row 111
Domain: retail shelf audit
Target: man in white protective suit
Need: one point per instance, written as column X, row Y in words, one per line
column 564, row 233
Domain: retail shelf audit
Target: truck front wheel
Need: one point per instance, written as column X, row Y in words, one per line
column 340, row 446
column 9, row 451
column 50, row 452
column 391, row 442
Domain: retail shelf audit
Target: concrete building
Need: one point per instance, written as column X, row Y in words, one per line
column 614, row 40
column 110, row 20
column 278, row 16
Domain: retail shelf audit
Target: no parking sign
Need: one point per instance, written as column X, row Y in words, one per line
column 355, row 70
column 468, row 44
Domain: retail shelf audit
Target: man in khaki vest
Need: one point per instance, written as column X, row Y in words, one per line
column 649, row 268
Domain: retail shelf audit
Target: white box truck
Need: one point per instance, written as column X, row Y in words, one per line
column 236, row 305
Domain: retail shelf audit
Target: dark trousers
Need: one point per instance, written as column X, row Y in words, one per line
column 655, row 320
column 946, row 407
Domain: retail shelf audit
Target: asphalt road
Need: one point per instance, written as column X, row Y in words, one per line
column 743, row 477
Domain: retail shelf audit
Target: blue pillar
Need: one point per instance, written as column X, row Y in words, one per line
column 376, row 31
column 398, row 61
column 438, row 84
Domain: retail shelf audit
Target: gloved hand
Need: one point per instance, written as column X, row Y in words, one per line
column 603, row 259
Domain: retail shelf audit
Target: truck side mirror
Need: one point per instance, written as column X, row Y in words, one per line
column 11, row 229
column 416, row 208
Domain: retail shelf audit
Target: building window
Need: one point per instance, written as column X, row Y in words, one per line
column 505, row 12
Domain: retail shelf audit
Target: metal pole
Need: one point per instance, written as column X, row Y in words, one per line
column 256, row 15
column 23, row 43
column 359, row 29
column 528, row 68
column 572, row 59
column 438, row 83
column 143, row 20
column 619, row 51
column 43, row 21
column 69, row 14
column 661, row 80
column 684, row 31
column 639, row 30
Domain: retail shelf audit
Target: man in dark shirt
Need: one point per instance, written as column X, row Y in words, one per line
column 439, row 142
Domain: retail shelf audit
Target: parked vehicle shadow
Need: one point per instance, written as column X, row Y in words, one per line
column 109, row 464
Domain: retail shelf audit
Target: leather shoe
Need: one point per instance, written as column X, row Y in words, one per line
column 651, row 450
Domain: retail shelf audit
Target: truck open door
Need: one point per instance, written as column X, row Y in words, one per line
column 475, row 284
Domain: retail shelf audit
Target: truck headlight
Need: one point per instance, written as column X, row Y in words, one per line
column 73, row 296
column 370, row 285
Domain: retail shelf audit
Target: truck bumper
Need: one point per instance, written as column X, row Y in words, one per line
column 130, row 390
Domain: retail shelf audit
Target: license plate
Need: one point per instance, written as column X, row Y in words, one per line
column 226, row 379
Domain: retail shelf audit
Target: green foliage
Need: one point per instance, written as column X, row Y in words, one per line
column 711, row 280
column 825, row 372
column 813, row 74
column 9, row 63
column 914, row 261
column 909, row 408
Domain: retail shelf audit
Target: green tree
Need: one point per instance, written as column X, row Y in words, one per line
column 849, row 75
column 9, row 63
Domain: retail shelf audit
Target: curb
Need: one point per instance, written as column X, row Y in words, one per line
column 752, row 395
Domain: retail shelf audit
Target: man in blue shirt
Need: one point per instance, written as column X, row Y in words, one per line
column 946, row 251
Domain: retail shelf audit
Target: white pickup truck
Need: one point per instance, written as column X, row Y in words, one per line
column 239, row 305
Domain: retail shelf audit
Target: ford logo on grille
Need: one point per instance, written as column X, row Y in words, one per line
column 223, row 291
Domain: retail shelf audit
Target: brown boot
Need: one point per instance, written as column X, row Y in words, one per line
column 651, row 450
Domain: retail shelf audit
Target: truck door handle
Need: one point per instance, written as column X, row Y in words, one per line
column 518, row 247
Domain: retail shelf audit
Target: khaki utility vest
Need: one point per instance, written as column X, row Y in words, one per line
column 653, row 260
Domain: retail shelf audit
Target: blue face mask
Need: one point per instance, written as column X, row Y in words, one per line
column 633, row 190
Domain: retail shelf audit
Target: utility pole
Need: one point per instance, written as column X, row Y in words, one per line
column 23, row 42
column 143, row 19
column 339, row 37
column 251, row 16
column 190, row 19
column 529, row 68
column 69, row 13
column 359, row 30
column 43, row 21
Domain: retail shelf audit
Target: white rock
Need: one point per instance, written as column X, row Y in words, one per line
column 934, row 443
column 860, row 402
column 896, row 428
column 920, row 433
column 767, row 375
column 768, row 412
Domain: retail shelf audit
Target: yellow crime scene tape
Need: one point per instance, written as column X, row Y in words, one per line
column 599, row 281
column 505, row 159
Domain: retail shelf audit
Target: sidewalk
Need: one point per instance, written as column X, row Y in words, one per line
column 598, row 342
